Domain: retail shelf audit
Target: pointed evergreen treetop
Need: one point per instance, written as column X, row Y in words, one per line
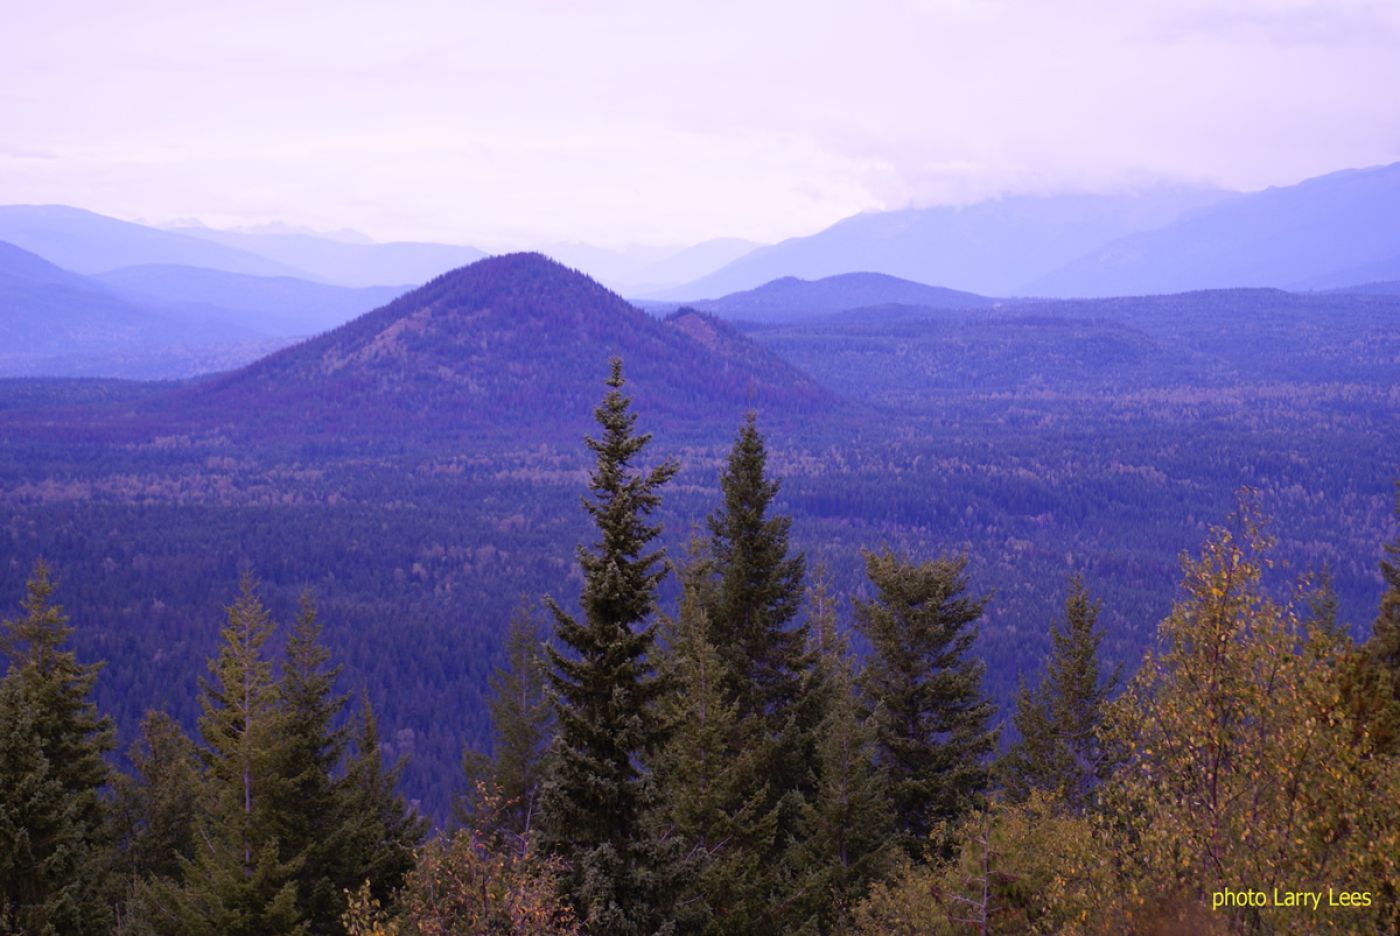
column 759, row 588
column 597, row 809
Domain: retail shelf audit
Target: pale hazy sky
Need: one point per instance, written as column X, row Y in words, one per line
column 520, row 121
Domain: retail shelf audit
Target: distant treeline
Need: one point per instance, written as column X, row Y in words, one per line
column 732, row 767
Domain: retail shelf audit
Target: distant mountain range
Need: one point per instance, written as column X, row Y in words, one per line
column 991, row 248
column 59, row 323
column 1330, row 231
column 342, row 262
column 791, row 299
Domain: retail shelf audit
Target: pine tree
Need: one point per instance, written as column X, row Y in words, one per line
column 850, row 817
column 1059, row 749
column 597, row 805
column 379, row 831
column 41, row 836
column 522, row 721
column 238, row 883
column 310, row 748
column 758, row 588
column 155, row 805
column 72, row 737
column 1384, row 645
column 932, row 733
column 711, row 775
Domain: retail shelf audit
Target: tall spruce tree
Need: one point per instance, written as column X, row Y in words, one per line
column 932, row 731
column 55, row 689
column 598, row 810
column 712, row 775
column 758, row 589
column 239, row 883
column 522, row 722
column 850, row 816
column 306, row 807
column 751, row 609
column 1059, row 750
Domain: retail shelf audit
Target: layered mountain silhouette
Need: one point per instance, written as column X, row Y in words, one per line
column 85, row 242
column 58, row 323
column 274, row 305
column 510, row 344
column 1334, row 230
column 792, row 300
column 343, row 262
column 993, row 247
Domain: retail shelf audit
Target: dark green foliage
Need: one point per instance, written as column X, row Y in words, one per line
column 42, row 848
column 849, row 818
column 751, row 606
column 758, row 587
column 522, row 722
column 380, row 830
column 711, row 773
column 597, row 805
column 238, row 882
column 53, row 689
column 309, row 814
column 926, row 689
column 1384, row 645
column 1059, row 750
column 154, row 806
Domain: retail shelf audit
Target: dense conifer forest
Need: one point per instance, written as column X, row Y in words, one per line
column 716, row 759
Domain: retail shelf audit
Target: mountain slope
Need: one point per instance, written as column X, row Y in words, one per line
column 509, row 345
column 342, row 262
column 85, row 242
column 58, row 323
column 274, row 305
column 1302, row 235
column 990, row 248
column 791, row 299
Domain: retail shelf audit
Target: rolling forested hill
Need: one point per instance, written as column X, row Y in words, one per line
column 420, row 468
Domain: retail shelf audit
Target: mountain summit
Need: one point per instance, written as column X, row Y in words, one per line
column 507, row 344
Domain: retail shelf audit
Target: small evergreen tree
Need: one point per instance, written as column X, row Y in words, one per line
column 1384, row 644
column 154, row 806
column 522, row 721
column 73, row 738
column 932, row 735
column 598, row 807
column 378, row 831
column 1059, row 749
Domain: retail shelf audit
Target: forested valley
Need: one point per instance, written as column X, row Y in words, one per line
column 730, row 765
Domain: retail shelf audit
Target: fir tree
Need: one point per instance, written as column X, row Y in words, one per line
column 597, row 808
column 751, row 608
column 379, row 831
column 711, row 775
column 72, row 737
column 1059, row 749
column 850, row 817
column 522, row 721
column 238, row 882
column 155, row 805
column 308, row 822
column 758, row 587
column 41, row 836
column 1384, row 644
column 932, row 734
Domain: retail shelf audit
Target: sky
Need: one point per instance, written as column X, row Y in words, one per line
column 623, row 123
